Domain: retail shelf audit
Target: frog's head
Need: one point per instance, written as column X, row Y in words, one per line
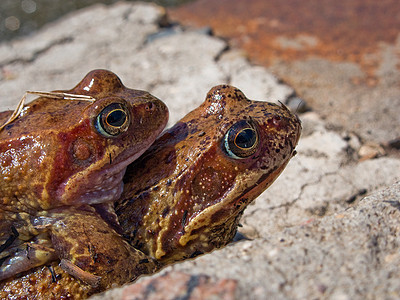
column 215, row 161
column 112, row 132
column 75, row 151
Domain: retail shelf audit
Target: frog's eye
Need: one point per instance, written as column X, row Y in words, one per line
column 241, row 140
column 112, row 120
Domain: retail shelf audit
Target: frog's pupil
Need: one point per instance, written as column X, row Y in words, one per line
column 245, row 138
column 241, row 140
column 116, row 118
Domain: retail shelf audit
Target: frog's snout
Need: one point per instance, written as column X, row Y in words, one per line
column 156, row 109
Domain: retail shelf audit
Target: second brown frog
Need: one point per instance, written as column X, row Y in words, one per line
column 200, row 175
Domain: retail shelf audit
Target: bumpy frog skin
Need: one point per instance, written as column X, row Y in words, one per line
column 61, row 156
column 200, row 175
column 58, row 152
column 186, row 194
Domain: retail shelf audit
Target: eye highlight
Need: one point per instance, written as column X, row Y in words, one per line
column 113, row 120
column 241, row 140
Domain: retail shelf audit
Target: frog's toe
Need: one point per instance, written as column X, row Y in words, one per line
column 74, row 270
column 25, row 257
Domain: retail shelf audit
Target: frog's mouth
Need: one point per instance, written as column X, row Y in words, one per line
column 102, row 186
column 105, row 186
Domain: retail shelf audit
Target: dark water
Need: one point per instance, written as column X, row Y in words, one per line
column 21, row 17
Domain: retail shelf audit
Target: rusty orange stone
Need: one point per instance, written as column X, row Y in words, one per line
column 343, row 30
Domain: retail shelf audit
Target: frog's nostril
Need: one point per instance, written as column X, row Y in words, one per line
column 150, row 106
column 276, row 121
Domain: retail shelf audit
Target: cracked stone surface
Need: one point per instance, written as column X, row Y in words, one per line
column 133, row 46
column 311, row 234
column 341, row 57
column 348, row 255
column 180, row 285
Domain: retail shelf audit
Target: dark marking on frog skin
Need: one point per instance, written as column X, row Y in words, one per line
column 53, row 274
column 13, row 236
column 144, row 261
column 196, row 253
column 184, row 218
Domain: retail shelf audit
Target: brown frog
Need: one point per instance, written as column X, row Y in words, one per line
column 199, row 176
column 186, row 194
column 62, row 163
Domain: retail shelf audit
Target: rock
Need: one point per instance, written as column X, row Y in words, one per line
column 370, row 150
column 349, row 255
column 329, row 88
column 309, row 235
column 179, row 285
column 179, row 67
column 322, row 179
column 242, row 74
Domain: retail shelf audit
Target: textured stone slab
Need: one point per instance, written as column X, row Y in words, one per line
column 349, row 255
column 176, row 66
column 310, row 235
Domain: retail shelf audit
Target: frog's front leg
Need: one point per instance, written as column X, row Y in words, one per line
column 22, row 246
column 92, row 251
column 26, row 256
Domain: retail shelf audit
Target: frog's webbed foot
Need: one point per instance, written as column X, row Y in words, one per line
column 24, row 258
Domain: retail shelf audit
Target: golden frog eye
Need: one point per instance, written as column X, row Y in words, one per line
column 241, row 140
column 113, row 120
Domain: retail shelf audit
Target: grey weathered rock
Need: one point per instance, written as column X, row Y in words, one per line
column 179, row 68
column 349, row 255
column 331, row 88
column 313, row 237
column 179, row 285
